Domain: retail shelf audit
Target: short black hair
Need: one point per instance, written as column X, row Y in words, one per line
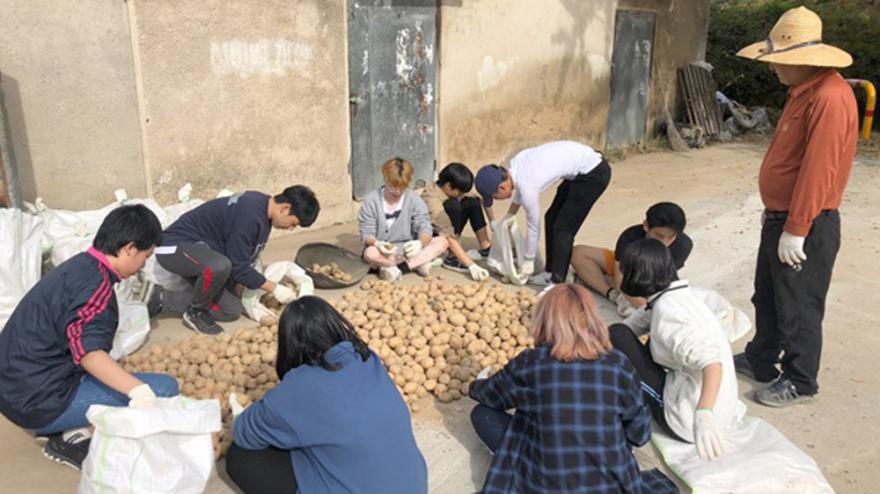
column 308, row 327
column 303, row 203
column 666, row 214
column 125, row 225
column 458, row 176
column 647, row 268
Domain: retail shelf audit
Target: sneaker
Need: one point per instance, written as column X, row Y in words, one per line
column 201, row 322
column 485, row 252
column 613, row 294
column 540, row 279
column 781, row 393
column 454, row 264
column 475, row 255
column 743, row 367
column 71, row 451
column 546, row 289
column 155, row 302
column 425, row 269
column 390, row 273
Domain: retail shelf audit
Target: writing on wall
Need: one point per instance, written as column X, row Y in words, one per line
column 261, row 57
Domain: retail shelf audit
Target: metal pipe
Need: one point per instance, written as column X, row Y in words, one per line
column 869, row 106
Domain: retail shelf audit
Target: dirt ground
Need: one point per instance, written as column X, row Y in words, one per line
column 718, row 189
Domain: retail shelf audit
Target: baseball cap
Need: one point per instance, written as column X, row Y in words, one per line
column 487, row 181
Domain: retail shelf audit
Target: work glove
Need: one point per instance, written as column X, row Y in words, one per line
column 478, row 273
column 141, row 396
column 235, row 406
column 386, row 248
column 283, row 294
column 484, row 374
column 412, row 248
column 493, row 225
column 791, row 249
column 528, row 267
column 707, row 437
column 254, row 309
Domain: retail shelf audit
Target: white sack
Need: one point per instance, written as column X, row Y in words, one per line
column 20, row 258
column 501, row 258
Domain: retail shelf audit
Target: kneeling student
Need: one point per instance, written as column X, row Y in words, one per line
column 54, row 350
column 451, row 208
column 579, row 408
column 335, row 423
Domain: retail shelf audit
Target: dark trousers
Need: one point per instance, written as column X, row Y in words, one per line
column 652, row 375
column 462, row 211
column 207, row 272
column 790, row 303
column 490, row 425
column 573, row 201
column 266, row 471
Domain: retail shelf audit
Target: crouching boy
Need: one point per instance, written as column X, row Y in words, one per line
column 54, row 350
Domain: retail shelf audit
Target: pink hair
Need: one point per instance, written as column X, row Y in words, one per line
column 566, row 319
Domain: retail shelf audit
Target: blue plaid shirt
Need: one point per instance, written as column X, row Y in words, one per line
column 574, row 427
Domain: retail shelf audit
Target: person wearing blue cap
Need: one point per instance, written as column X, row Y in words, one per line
column 585, row 175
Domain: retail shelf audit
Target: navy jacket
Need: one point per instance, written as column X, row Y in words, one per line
column 237, row 226
column 67, row 314
column 347, row 430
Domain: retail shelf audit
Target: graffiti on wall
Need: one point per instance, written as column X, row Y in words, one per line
column 261, row 57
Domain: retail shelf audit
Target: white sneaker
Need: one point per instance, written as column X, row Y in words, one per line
column 539, row 279
column 390, row 273
column 425, row 269
column 475, row 255
column 613, row 295
column 546, row 289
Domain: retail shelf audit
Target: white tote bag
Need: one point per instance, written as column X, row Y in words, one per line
column 157, row 450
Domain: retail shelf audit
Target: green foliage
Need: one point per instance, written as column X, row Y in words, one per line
column 853, row 25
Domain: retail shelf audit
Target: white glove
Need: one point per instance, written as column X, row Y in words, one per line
column 791, row 249
column 493, row 225
column 412, row 248
column 141, row 396
column 283, row 294
column 478, row 273
column 254, row 309
column 528, row 267
column 484, row 374
column 707, row 437
column 386, row 248
column 235, row 406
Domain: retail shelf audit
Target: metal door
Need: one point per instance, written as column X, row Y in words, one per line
column 630, row 77
column 392, row 82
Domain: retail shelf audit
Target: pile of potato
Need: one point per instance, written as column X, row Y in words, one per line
column 433, row 338
column 332, row 270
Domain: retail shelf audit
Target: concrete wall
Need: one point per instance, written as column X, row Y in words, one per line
column 515, row 73
column 246, row 95
column 69, row 90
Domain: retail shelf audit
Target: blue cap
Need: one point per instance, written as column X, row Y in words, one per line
column 487, row 181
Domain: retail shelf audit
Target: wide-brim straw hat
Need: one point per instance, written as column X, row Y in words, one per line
column 796, row 39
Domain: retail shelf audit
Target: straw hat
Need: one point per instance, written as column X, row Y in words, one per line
column 796, row 39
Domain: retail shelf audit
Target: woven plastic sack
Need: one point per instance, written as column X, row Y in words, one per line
column 20, row 258
column 508, row 253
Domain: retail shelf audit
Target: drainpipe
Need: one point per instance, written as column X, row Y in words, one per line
column 869, row 107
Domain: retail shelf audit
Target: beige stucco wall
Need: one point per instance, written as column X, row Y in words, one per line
column 515, row 73
column 69, row 89
column 246, row 95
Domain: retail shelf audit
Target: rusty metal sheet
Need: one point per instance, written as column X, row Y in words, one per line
column 630, row 77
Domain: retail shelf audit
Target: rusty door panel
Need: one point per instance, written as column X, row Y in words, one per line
column 392, row 80
column 630, row 77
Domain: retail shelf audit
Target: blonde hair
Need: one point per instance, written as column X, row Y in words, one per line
column 566, row 319
column 397, row 172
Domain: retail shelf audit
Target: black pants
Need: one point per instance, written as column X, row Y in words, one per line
column 573, row 201
column 790, row 304
column 462, row 211
column 653, row 376
column 267, row 471
column 208, row 273
column 490, row 425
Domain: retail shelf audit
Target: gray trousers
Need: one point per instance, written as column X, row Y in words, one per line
column 207, row 272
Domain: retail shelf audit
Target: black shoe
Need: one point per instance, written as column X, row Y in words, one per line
column 71, row 452
column 743, row 367
column 454, row 264
column 484, row 252
column 155, row 302
column 201, row 322
column 781, row 393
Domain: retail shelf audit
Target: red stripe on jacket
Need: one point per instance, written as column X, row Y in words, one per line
column 96, row 305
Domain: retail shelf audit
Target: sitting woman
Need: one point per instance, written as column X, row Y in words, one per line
column 687, row 366
column 579, row 409
column 335, row 423
column 395, row 226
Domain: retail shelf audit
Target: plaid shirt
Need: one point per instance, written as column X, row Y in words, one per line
column 574, row 426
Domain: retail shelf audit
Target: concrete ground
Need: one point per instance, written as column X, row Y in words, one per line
column 718, row 189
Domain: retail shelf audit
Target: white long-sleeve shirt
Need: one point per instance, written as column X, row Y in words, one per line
column 533, row 170
column 686, row 336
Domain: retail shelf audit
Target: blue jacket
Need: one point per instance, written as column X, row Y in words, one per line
column 348, row 431
column 237, row 226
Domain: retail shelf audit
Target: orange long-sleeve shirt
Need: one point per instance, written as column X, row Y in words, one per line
column 810, row 158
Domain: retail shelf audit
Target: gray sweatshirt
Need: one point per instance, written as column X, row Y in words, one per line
column 413, row 221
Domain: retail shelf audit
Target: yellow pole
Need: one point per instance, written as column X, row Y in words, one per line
column 869, row 107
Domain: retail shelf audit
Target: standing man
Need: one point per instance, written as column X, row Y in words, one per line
column 802, row 179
